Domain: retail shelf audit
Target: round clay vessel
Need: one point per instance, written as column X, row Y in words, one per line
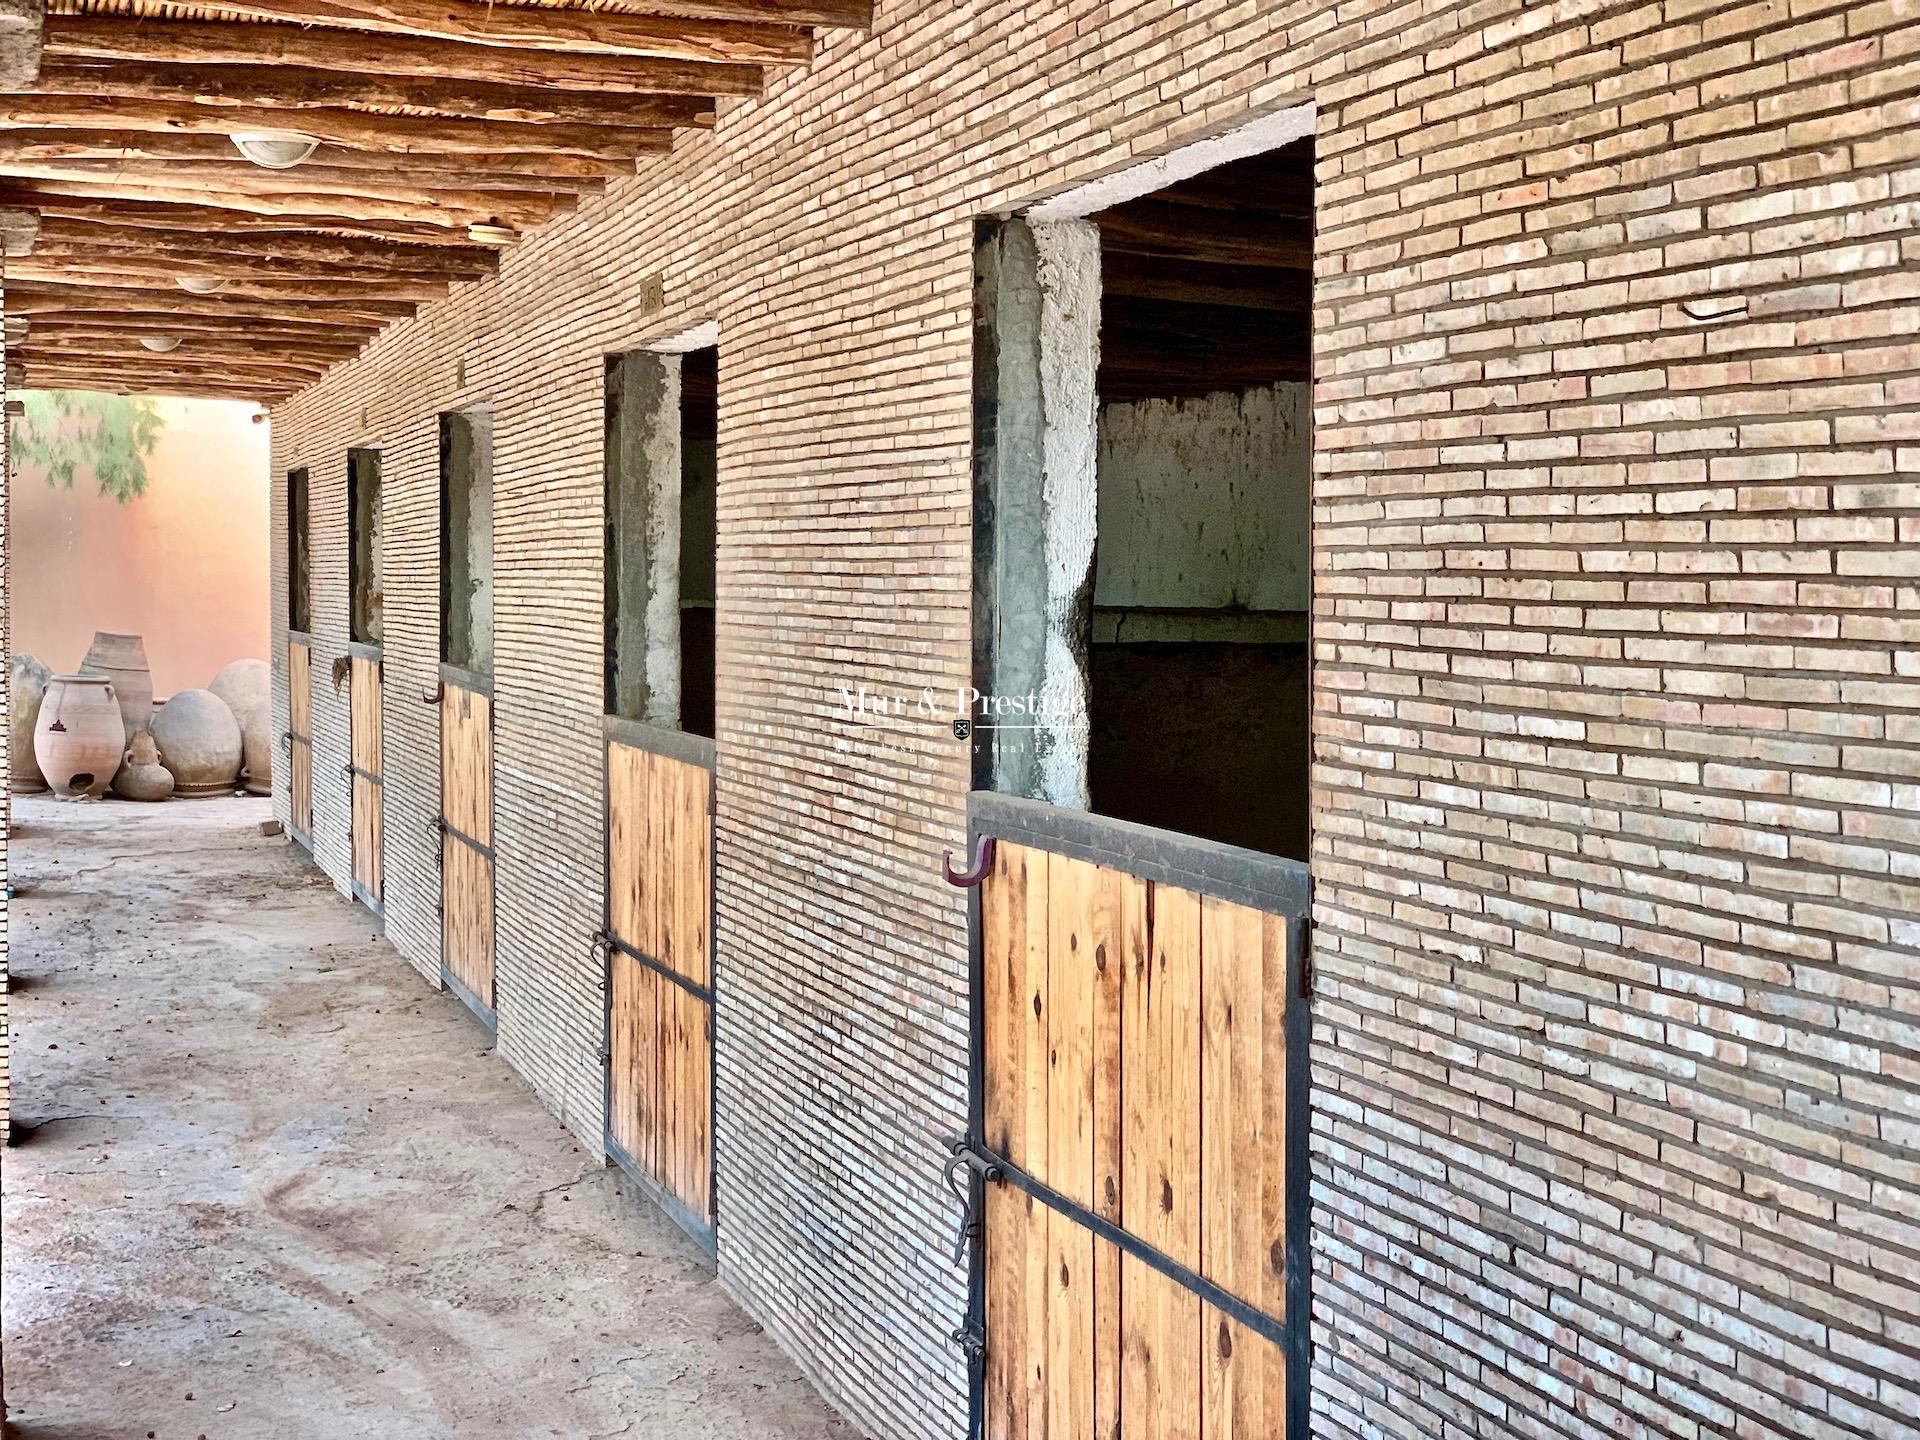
column 123, row 660
column 28, row 684
column 256, row 752
column 142, row 776
column 79, row 735
column 199, row 743
column 247, row 687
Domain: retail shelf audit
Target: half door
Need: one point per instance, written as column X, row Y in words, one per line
column 466, row 845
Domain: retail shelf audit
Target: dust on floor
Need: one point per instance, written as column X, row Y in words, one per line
column 267, row 1183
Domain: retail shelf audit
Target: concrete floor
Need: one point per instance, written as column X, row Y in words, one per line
column 266, row 1183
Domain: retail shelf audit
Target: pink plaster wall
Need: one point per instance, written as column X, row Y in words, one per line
column 184, row 565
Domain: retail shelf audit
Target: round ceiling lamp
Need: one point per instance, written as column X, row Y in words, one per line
column 275, row 149
column 200, row 284
column 160, row 344
column 491, row 234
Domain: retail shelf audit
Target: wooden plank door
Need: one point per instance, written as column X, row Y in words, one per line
column 1136, row 1080
column 369, row 793
column 660, row 979
column 300, row 740
column 466, row 846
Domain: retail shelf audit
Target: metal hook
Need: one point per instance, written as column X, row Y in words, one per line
column 964, row 1160
column 982, row 863
column 439, row 690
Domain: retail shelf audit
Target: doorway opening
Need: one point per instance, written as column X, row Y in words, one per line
column 465, row 698
column 661, row 439
column 365, row 589
column 299, row 554
column 656, row 944
column 466, row 540
column 1142, row 514
column 366, row 679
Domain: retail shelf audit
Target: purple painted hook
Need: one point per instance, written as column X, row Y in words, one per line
column 982, row 863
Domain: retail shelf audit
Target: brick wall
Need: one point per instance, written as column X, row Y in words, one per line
column 1616, row 1078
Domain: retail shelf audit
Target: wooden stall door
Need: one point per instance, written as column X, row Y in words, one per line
column 300, row 738
column 660, row 979
column 369, row 793
column 466, row 845
column 1135, row 1063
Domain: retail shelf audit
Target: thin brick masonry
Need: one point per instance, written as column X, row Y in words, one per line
column 1616, row 1073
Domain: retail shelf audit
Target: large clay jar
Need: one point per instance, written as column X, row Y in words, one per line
column 123, row 660
column 199, row 743
column 142, row 776
column 247, row 687
column 79, row 736
column 28, row 681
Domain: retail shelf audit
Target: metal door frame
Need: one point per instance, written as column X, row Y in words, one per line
column 1206, row 867
column 688, row 749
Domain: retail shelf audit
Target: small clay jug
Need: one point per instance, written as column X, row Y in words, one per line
column 142, row 776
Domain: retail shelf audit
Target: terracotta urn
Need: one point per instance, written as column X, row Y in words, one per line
column 247, row 687
column 27, row 683
column 199, row 743
column 79, row 735
column 123, row 660
column 142, row 776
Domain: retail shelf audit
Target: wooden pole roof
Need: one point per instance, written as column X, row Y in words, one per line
column 119, row 176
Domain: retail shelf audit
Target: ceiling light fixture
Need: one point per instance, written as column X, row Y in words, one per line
column 160, row 344
column 491, row 234
column 200, row 284
column 275, row 149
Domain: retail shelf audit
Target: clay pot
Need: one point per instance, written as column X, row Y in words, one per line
column 28, row 684
column 247, row 687
column 142, row 776
column 123, row 660
column 79, row 735
column 199, row 743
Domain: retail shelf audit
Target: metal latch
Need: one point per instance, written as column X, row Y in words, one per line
column 963, row 1157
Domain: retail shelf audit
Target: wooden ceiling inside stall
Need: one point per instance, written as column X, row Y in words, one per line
column 446, row 129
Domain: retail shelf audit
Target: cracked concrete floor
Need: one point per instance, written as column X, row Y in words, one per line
column 269, row 1184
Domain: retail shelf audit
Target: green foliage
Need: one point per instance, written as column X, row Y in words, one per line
column 109, row 436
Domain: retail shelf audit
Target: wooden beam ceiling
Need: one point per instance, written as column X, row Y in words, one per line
column 1207, row 284
column 112, row 37
column 601, row 32
column 31, row 146
column 432, row 213
column 235, row 173
column 31, row 298
column 355, row 129
column 444, row 128
column 465, row 261
column 424, row 17
column 293, row 90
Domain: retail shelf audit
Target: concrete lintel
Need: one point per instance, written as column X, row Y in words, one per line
column 1143, row 176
